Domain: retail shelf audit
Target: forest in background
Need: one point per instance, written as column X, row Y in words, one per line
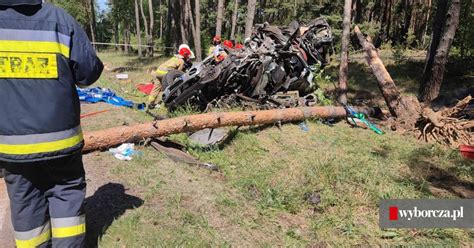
column 164, row 24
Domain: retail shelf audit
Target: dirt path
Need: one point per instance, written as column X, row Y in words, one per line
column 6, row 230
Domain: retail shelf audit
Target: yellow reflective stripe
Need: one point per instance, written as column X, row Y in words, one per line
column 161, row 72
column 41, row 147
column 34, row 242
column 66, row 232
column 34, row 47
column 28, row 65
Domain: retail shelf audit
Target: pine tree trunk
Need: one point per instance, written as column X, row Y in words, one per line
column 116, row 35
column 92, row 22
column 137, row 24
column 220, row 16
column 104, row 139
column 161, row 21
column 150, row 42
column 358, row 8
column 406, row 109
column 436, row 74
column 173, row 25
column 295, row 10
column 388, row 22
column 343, row 69
column 234, row 20
column 250, row 17
column 126, row 38
column 407, row 22
column 145, row 23
column 182, row 22
column 196, row 35
column 169, row 38
column 161, row 26
column 427, row 20
column 437, row 30
column 197, row 38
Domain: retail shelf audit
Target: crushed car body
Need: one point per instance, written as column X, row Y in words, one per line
column 274, row 59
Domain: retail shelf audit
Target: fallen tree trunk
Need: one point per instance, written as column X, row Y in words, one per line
column 406, row 109
column 104, row 139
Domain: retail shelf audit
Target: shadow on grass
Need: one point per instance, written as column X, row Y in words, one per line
column 107, row 204
column 145, row 61
column 406, row 75
column 425, row 169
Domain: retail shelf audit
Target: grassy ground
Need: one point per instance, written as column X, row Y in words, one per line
column 262, row 196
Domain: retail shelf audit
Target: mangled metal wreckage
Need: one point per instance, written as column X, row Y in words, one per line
column 274, row 59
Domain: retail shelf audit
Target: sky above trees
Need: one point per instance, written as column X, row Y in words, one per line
column 102, row 4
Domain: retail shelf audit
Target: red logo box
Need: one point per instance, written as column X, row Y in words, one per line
column 393, row 213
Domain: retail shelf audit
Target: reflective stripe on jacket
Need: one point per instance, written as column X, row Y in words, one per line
column 44, row 53
column 174, row 63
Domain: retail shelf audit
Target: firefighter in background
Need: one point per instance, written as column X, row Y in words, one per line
column 219, row 53
column 216, row 42
column 177, row 62
column 229, row 44
column 44, row 55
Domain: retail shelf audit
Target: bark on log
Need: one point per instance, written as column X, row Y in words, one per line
column 435, row 74
column 104, row 139
column 343, row 68
column 407, row 109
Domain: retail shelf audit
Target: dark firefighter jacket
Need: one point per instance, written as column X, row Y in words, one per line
column 44, row 53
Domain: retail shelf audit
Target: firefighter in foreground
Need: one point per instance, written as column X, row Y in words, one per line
column 178, row 62
column 44, row 53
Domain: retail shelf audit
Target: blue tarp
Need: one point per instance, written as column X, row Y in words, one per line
column 94, row 95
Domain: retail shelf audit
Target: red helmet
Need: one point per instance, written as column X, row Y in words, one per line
column 216, row 40
column 185, row 51
column 228, row 44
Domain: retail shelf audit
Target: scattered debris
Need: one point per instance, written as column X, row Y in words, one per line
column 447, row 126
column 313, row 198
column 124, row 68
column 95, row 113
column 94, row 95
column 467, row 151
column 359, row 119
column 210, row 136
column 176, row 153
column 303, row 126
column 124, row 152
column 122, row 76
column 145, row 88
column 274, row 60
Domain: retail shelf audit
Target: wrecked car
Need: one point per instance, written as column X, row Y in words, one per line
column 275, row 59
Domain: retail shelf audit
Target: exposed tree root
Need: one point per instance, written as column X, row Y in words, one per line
column 446, row 126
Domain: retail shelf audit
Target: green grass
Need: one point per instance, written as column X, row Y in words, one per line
column 259, row 199
column 269, row 174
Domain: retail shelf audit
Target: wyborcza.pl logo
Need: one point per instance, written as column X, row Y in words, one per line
column 427, row 213
column 410, row 214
